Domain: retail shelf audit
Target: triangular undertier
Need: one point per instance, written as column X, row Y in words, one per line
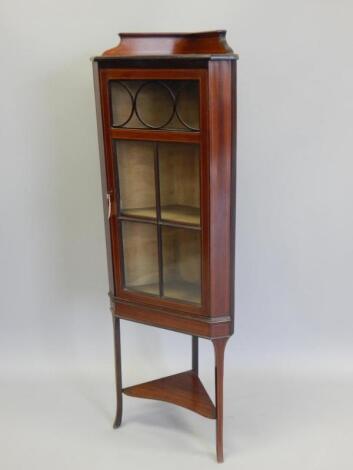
column 184, row 389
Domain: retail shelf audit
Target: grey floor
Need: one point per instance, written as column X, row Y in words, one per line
column 273, row 420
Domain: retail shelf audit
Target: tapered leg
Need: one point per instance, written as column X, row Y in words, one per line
column 219, row 346
column 195, row 354
column 119, row 395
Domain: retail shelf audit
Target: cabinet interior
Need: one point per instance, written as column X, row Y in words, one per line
column 159, row 188
column 181, row 264
column 141, row 271
column 137, row 188
column 179, row 183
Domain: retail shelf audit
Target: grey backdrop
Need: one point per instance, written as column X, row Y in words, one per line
column 294, row 257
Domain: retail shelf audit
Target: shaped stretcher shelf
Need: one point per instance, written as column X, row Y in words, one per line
column 184, row 389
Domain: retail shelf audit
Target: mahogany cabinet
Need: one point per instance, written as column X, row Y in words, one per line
column 166, row 112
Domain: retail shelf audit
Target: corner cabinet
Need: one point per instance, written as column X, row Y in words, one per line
column 166, row 112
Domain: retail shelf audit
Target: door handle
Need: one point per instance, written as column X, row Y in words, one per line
column 108, row 196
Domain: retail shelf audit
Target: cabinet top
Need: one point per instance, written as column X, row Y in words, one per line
column 201, row 44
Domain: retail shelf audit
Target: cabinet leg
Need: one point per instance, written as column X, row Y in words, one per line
column 219, row 347
column 118, row 385
column 195, row 354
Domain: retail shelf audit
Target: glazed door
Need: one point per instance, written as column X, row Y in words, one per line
column 155, row 137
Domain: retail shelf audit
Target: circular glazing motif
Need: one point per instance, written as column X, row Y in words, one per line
column 187, row 105
column 122, row 103
column 154, row 104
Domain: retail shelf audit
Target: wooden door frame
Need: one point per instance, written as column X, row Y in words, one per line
column 110, row 134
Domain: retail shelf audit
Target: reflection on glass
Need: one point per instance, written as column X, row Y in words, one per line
column 155, row 104
column 136, row 178
column 181, row 264
column 179, row 181
column 140, row 254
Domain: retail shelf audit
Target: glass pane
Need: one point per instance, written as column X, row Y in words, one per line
column 155, row 104
column 136, row 178
column 122, row 103
column 179, row 180
column 181, row 264
column 140, row 250
column 187, row 104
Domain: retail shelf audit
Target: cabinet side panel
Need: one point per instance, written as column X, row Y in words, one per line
column 103, row 175
column 220, row 135
column 233, row 192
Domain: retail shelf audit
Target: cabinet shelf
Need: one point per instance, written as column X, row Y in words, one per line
column 184, row 291
column 140, row 212
column 176, row 213
column 152, row 289
column 181, row 214
column 184, row 389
